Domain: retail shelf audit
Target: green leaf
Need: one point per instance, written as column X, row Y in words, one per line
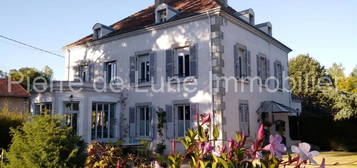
column 215, row 132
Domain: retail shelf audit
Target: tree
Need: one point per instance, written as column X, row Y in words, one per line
column 307, row 77
column 336, row 71
column 45, row 141
column 26, row 76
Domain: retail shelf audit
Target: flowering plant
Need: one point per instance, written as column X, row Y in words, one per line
column 202, row 150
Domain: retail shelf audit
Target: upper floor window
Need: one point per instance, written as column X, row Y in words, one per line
column 43, row 108
column 278, row 73
column 263, row 68
column 241, row 61
column 143, row 62
column 83, row 72
column 110, row 71
column 182, row 62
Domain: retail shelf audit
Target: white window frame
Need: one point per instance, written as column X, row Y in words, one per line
column 83, row 72
column 144, row 58
column 184, row 121
column 183, row 53
column 264, row 68
column 243, row 62
column 244, row 117
column 162, row 15
column 42, row 107
column 111, row 71
column 144, row 122
column 279, row 75
column 69, row 114
column 100, row 118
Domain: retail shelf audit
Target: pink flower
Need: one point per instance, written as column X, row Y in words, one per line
column 223, row 149
column 231, row 143
column 157, row 164
column 118, row 164
column 275, row 147
column 304, row 152
column 173, row 146
column 206, row 119
column 207, row 147
column 260, row 135
column 322, row 163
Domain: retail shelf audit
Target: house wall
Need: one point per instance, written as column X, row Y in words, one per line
column 120, row 50
column 15, row 104
column 234, row 34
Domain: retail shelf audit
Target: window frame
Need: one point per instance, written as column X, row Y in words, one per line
column 185, row 120
column 70, row 114
column 279, row 74
column 146, row 121
column 111, row 121
column 182, row 53
column 110, row 76
column 143, row 58
column 263, row 60
column 244, row 116
column 41, row 105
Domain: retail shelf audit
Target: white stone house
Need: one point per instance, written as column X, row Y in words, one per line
column 184, row 56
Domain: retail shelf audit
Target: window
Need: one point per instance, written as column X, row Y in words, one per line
column 110, row 71
column 182, row 62
column 43, row 108
column 162, row 15
column 244, row 118
column 183, row 119
column 96, row 33
column 143, row 62
column 278, row 73
column 71, row 111
column 144, row 121
column 263, row 68
column 103, row 120
column 242, row 63
column 83, row 72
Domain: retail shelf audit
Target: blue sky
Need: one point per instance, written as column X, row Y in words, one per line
column 326, row 29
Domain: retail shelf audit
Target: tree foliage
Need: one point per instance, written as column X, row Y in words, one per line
column 8, row 119
column 307, row 76
column 26, row 76
column 45, row 141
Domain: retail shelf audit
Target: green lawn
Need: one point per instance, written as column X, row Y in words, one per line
column 337, row 160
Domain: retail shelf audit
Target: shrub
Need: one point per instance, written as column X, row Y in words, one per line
column 45, row 141
column 8, row 119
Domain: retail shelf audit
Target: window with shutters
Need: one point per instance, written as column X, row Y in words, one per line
column 183, row 113
column 143, row 67
column 83, row 72
column 278, row 73
column 110, row 71
column 143, row 120
column 244, row 118
column 242, row 62
column 103, row 121
column 43, row 108
column 263, row 68
column 71, row 111
column 182, row 62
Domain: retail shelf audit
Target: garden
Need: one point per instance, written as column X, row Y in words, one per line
column 45, row 141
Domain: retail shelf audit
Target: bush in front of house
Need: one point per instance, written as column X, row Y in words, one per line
column 45, row 141
column 8, row 119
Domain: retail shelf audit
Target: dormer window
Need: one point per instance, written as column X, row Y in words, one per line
column 100, row 30
column 162, row 15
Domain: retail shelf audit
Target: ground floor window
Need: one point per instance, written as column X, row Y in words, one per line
column 244, row 118
column 71, row 110
column 43, row 108
column 183, row 119
column 144, row 120
column 103, row 120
